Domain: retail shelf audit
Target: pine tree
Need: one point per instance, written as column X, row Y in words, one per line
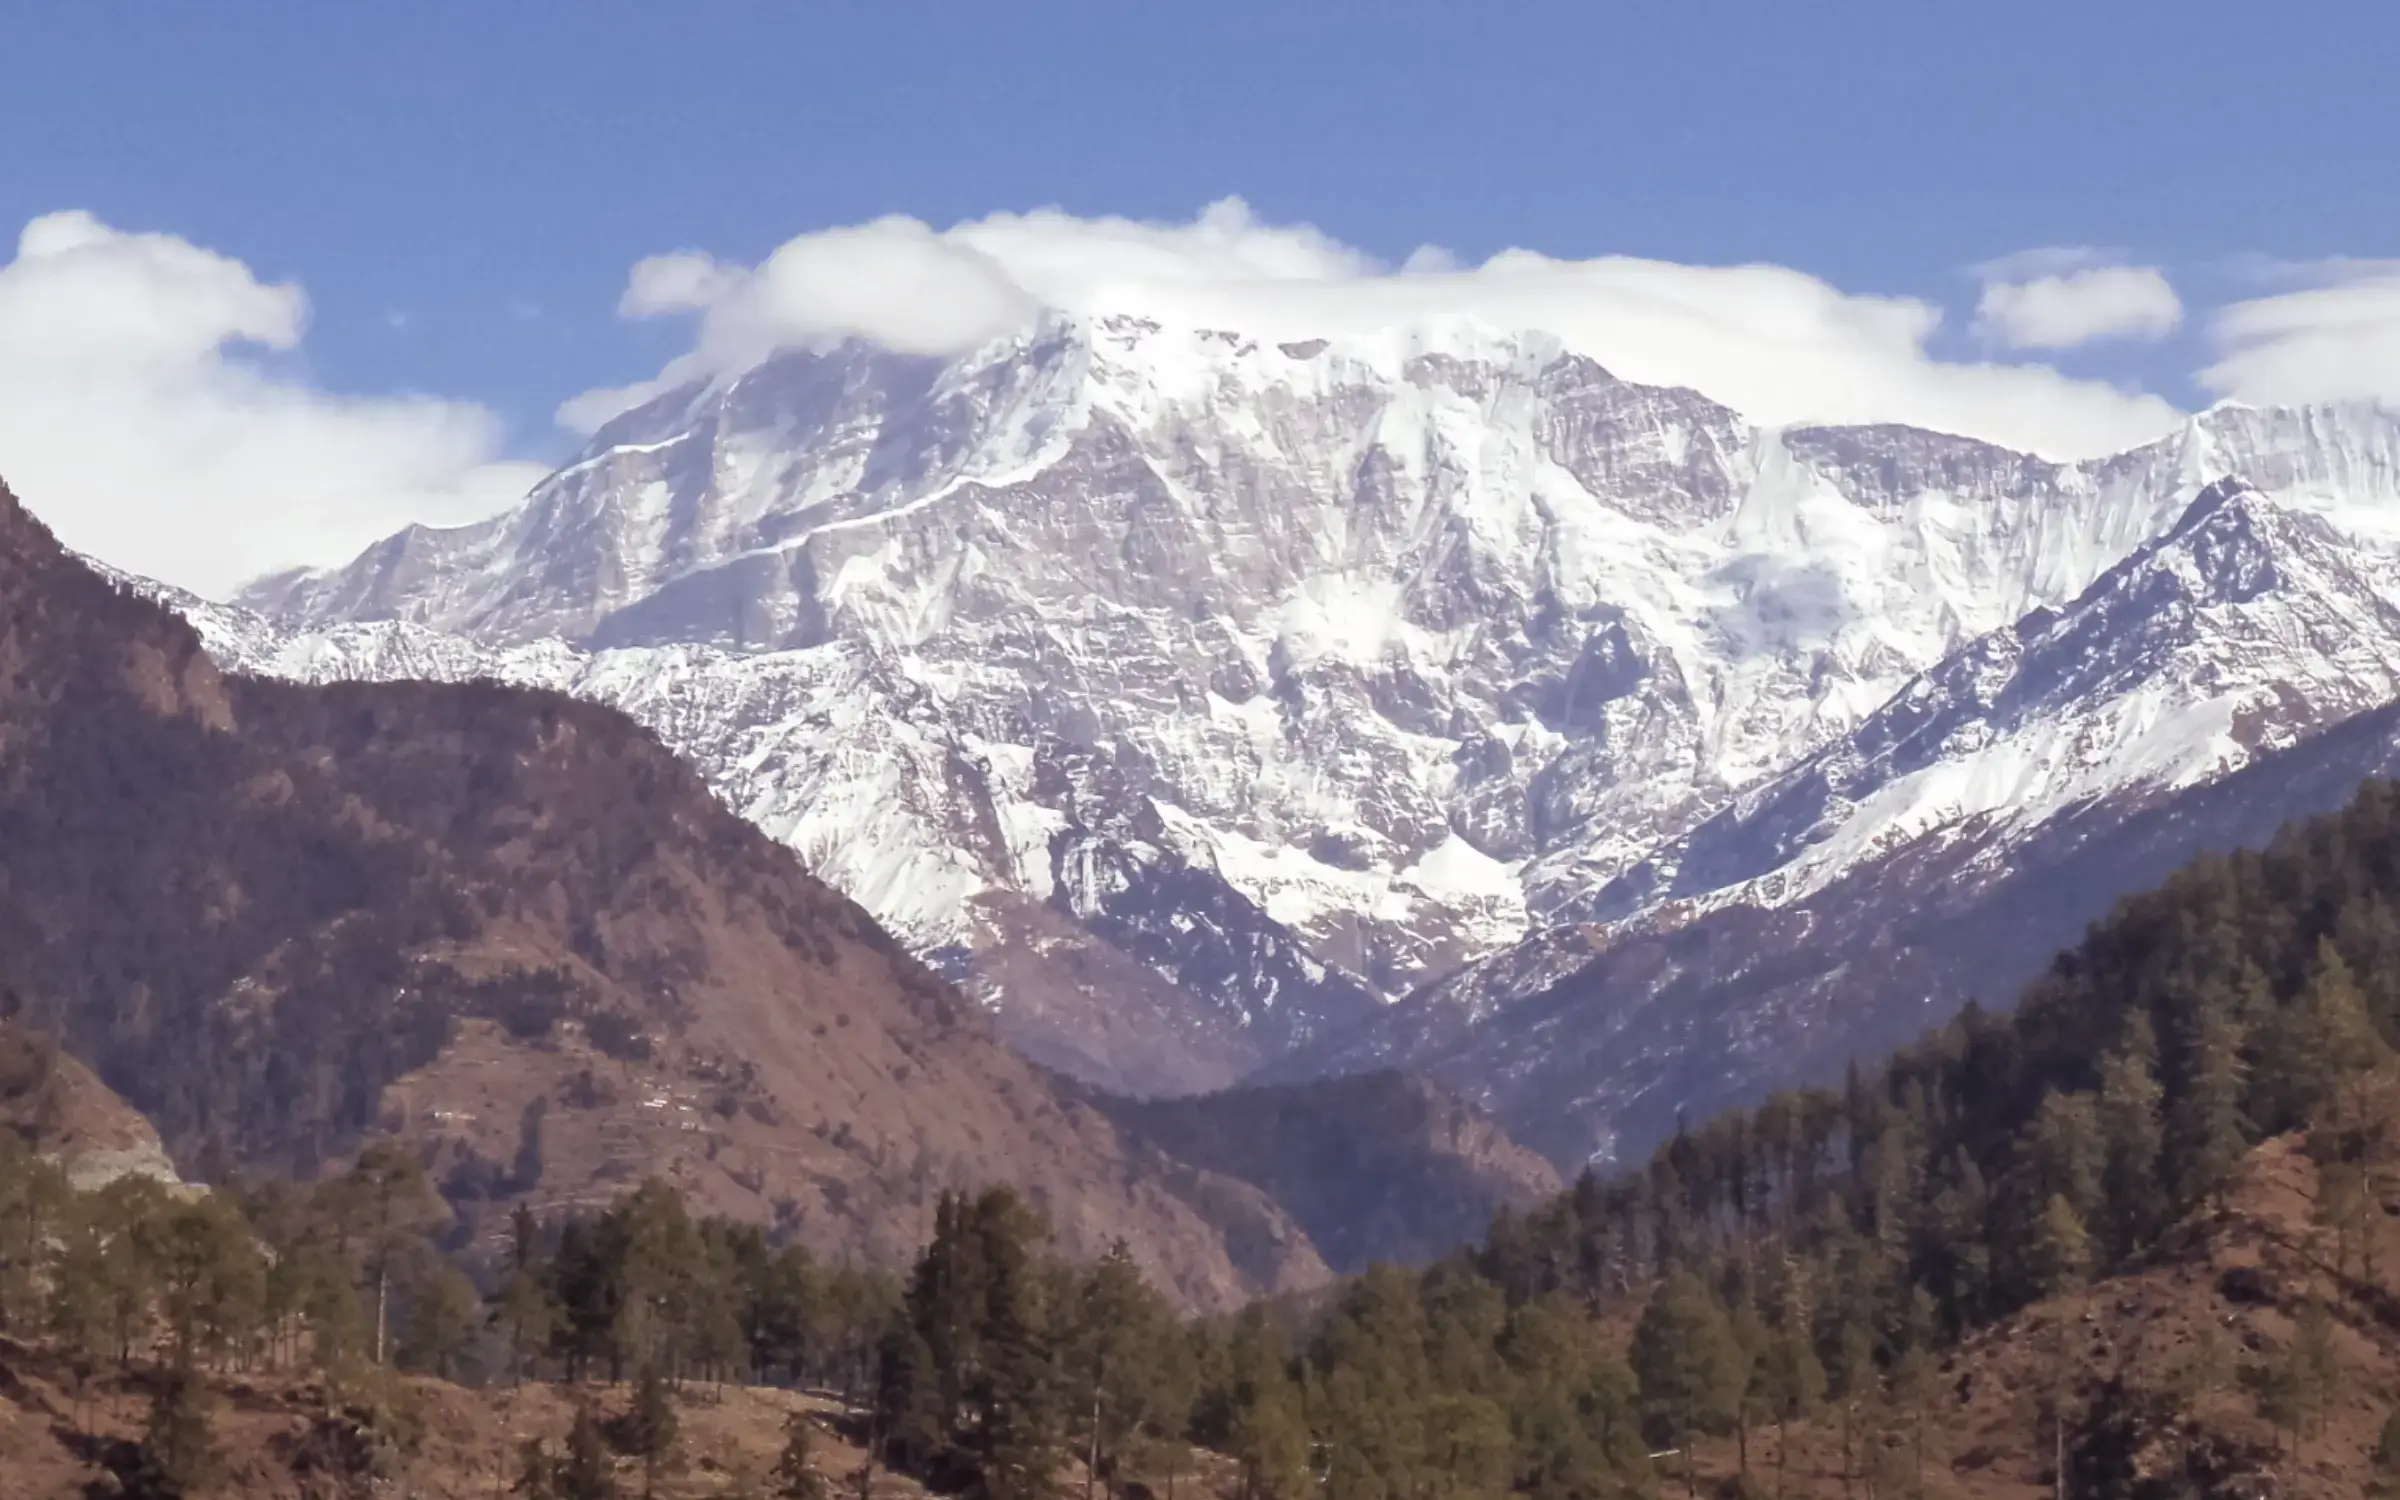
column 211, row 1281
column 947, row 1302
column 1573, row 1409
column 586, row 1473
column 651, row 1429
column 84, row 1282
column 2133, row 1140
column 34, row 1197
column 1691, row 1372
column 1256, row 1412
column 658, row 1263
column 525, row 1306
column 1269, row 1439
column 1957, row 1247
column 795, row 1475
column 1370, row 1406
column 384, row 1205
column 1124, row 1360
column 1854, row 1383
column 442, row 1309
column 2065, row 1155
column 2059, row 1257
column 1467, row 1446
column 1753, row 1342
column 178, row 1454
column 1793, row 1379
column 2302, row 1386
column 2342, row 1205
column 1912, row 1383
column 909, row 1415
column 1016, row 1389
column 2206, row 1132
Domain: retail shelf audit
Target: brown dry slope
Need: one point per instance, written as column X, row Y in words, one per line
column 278, row 1439
column 509, row 925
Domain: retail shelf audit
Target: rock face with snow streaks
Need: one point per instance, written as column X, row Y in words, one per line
column 1208, row 692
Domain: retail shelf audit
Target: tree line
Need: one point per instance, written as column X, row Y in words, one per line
column 1807, row 1258
column 360, row 1276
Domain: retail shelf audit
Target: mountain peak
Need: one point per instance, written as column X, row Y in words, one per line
column 1259, row 676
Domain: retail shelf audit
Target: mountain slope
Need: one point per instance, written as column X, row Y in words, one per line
column 510, row 925
column 1376, row 1167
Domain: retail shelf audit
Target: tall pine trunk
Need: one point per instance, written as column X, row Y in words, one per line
column 1683, row 1435
column 1849, row 1417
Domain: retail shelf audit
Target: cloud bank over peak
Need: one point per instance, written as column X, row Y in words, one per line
column 143, row 416
column 155, row 409
column 1779, row 345
column 2334, row 337
column 2064, row 299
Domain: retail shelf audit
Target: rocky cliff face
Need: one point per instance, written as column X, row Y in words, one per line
column 55, row 1105
column 1296, row 678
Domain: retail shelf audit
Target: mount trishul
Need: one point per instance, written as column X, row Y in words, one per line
column 1192, row 696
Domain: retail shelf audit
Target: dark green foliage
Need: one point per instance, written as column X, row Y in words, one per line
column 443, row 1316
column 2007, row 1158
column 1692, row 1370
column 178, row 1454
column 649, row 1429
column 972, row 1386
column 586, row 1472
column 2133, row 1202
column 1126, row 1368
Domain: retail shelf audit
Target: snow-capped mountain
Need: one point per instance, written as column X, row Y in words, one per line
column 1190, row 693
column 1946, row 848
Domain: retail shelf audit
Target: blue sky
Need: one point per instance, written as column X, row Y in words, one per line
column 461, row 189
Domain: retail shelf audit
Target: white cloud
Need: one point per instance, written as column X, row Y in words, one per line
column 2066, row 298
column 2335, row 339
column 1780, row 345
column 143, row 417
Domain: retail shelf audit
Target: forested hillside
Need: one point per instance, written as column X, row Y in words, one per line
column 1823, row 1276
column 1375, row 1166
column 1821, row 1258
